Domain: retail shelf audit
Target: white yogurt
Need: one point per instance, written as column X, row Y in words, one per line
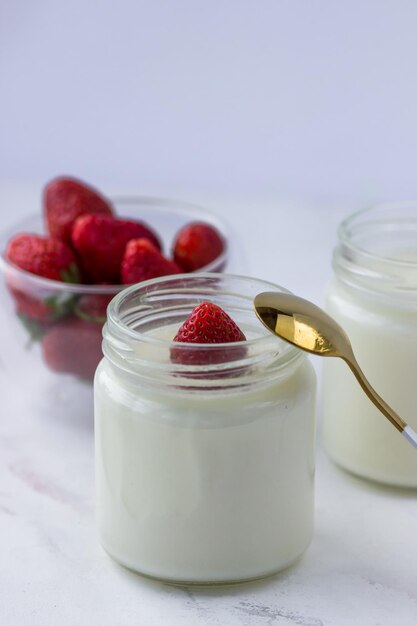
column 356, row 434
column 374, row 298
column 211, row 484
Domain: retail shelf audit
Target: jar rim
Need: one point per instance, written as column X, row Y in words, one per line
column 347, row 228
column 377, row 252
column 115, row 304
column 135, row 313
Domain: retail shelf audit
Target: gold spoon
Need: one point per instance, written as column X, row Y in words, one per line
column 308, row 327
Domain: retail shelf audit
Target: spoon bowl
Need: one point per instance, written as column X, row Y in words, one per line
column 306, row 326
column 301, row 323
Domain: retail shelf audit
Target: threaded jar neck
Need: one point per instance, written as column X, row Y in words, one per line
column 377, row 253
column 143, row 319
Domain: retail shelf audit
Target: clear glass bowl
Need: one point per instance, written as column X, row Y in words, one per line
column 48, row 349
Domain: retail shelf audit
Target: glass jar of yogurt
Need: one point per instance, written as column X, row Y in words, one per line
column 373, row 296
column 204, row 473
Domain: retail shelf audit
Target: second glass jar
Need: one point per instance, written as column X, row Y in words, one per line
column 373, row 296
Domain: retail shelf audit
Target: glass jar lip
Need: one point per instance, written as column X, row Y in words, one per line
column 114, row 306
column 347, row 226
column 195, row 212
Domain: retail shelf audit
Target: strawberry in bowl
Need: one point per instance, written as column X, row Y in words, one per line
column 62, row 267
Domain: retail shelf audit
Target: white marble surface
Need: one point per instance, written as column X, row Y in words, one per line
column 361, row 568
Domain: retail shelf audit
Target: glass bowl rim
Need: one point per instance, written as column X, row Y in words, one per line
column 83, row 288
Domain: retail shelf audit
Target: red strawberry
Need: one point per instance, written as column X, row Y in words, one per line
column 30, row 306
column 46, row 257
column 197, row 245
column 92, row 307
column 142, row 261
column 43, row 256
column 74, row 347
column 44, row 310
column 64, row 200
column 100, row 241
column 208, row 323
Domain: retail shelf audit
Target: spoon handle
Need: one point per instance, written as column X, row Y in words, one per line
column 389, row 413
column 410, row 435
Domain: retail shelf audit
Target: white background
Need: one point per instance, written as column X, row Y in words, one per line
column 314, row 100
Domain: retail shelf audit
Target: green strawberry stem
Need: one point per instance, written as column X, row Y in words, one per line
column 35, row 330
column 71, row 275
column 61, row 304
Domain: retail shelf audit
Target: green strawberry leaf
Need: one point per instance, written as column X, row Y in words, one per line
column 61, row 304
column 71, row 275
column 98, row 319
column 34, row 328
